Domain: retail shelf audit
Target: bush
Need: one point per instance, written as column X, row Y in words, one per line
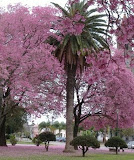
column 13, row 140
column 116, row 142
column 46, row 137
column 36, row 141
column 84, row 142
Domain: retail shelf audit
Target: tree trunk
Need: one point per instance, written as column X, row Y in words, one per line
column 46, row 145
column 2, row 120
column 83, row 151
column 2, row 132
column 71, row 72
column 116, row 150
column 76, row 126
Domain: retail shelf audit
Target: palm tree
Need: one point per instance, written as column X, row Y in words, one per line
column 59, row 126
column 44, row 125
column 73, row 48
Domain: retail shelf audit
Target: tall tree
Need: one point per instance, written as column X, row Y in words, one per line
column 25, row 71
column 80, row 31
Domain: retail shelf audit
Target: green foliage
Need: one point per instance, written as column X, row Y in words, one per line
column 127, row 132
column 54, row 126
column 36, row 141
column 88, row 141
column 15, row 122
column 116, row 142
column 84, row 142
column 89, row 132
column 59, row 126
column 91, row 38
column 44, row 125
column 13, row 140
column 47, row 136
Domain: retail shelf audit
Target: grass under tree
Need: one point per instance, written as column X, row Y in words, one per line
column 88, row 157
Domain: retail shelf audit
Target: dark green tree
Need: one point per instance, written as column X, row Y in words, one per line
column 16, row 120
column 116, row 142
column 46, row 137
column 84, row 142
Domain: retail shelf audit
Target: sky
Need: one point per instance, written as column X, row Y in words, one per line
column 30, row 3
column 45, row 118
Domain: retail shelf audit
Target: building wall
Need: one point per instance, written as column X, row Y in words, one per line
column 61, row 134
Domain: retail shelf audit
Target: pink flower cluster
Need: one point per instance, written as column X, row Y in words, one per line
column 71, row 25
column 113, row 89
column 125, row 33
column 27, row 66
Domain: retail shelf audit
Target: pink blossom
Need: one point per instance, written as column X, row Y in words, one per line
column 90, row 2
column 27, row 66
column 112, row 88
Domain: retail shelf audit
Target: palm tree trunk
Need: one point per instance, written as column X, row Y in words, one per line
column 71, row 72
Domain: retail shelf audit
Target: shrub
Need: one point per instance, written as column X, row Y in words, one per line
column 116, row 142
column 46, row 137
column 84, row 142
column 36, row 141
column 13, row 140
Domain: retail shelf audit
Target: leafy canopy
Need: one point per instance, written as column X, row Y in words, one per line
column 81, row 31
column 116, row 142
column 88, row 141
column 46, row 136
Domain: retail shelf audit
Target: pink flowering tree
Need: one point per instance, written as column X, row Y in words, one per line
column 30, row 76
column 111, row 95
column 90, row 89
column 80, row 32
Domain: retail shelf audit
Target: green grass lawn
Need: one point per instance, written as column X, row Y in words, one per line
column 20, row 142
column 75, row 157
